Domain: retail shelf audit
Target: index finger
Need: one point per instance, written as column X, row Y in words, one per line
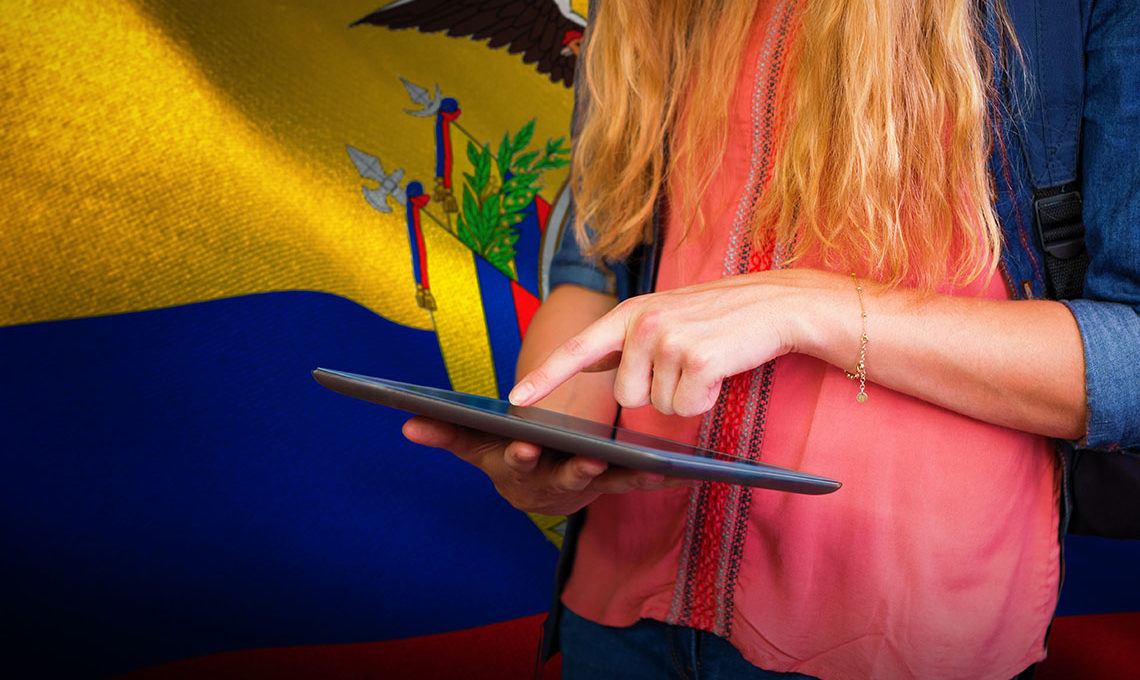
column 596, row 342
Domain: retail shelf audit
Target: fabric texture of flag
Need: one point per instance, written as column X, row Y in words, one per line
column 205, row 201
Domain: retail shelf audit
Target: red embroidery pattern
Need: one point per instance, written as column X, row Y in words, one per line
column 717, row 520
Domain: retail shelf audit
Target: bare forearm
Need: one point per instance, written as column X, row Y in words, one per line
column 1013, row 363
column 566, row 311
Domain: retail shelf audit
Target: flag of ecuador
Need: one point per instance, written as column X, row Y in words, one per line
column 201, row 203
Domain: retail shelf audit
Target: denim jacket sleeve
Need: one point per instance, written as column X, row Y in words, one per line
column 1109, row 313
column 570, row 264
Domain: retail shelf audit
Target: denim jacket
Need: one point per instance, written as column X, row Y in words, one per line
column 1108, row 314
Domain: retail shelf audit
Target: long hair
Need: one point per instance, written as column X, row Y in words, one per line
column 882, row 147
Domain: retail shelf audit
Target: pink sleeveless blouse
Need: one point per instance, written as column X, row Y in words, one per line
column 939, row 557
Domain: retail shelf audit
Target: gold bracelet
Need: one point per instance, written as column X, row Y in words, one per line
column 860, row 373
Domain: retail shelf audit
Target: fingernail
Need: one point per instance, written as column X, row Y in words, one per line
column 523, row 456
column 521, row 393
column 594, row 467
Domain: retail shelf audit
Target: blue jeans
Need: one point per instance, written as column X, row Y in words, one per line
column 651, row 650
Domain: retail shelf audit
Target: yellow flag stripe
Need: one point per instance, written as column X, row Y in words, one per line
column 192, row 151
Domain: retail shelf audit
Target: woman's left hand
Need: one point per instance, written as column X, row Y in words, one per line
column 674, row 349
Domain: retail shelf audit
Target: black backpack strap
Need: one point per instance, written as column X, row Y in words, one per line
column 1057, row 214
column 1052, row 38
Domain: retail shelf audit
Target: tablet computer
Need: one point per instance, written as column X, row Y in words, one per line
column 571, row 435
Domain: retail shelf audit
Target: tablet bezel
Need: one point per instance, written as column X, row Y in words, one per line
column 568, row 434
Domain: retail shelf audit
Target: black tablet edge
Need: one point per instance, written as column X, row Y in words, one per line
column 756, row 475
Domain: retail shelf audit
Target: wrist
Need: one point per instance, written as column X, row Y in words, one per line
column 829, row 323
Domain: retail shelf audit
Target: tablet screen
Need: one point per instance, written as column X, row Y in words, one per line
column 560, row 421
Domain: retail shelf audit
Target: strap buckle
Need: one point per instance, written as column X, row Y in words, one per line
column 1059, row 224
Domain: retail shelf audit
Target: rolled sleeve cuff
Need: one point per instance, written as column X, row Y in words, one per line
column 570, row 265
column 581, row 273
column 1111, row 335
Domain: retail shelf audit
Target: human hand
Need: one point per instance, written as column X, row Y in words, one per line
column 528, row 478
column 674, row 349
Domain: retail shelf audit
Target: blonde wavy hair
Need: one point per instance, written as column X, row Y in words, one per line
column 882, row 145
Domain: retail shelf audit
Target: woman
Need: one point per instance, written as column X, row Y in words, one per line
column 830, row 299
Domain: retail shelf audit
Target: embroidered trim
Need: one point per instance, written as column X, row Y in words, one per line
column 717, row 519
